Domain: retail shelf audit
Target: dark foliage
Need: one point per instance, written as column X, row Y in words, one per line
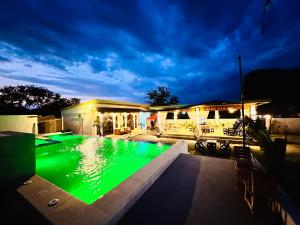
column 255, row 131
column 161, row 97
column 279, row 85
column 29, row 99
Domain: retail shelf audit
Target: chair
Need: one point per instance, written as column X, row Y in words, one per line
column 200, row 145
column 224, row 148
column 211, row 147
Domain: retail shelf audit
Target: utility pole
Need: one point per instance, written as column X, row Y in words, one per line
column 242, row 100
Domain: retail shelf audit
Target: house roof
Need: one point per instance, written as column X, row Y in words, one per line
column 258, row 102
column 167, row 107
column 108, row 102
column 224, row 103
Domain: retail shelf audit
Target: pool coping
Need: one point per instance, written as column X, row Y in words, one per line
column 106, row 210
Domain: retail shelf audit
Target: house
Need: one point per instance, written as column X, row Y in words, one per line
column 115, row 117
column 215, row 118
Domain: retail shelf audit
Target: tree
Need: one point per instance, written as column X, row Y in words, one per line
column 161, row 96
column 29, row 99
column 278, row 85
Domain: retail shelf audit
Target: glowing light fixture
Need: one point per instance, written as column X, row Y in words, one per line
column 231, row 110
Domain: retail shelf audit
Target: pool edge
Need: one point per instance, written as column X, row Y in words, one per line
column 106, row 210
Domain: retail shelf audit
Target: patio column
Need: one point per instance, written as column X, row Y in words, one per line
column 197, row 117
column 253, row 112
column 119, row 120
column 134, row 121
column 125, row 120
column 217, row 115
column 101, row 123
column 114, row 120
column 175, row 115
column 159, row 121
column 137, row 120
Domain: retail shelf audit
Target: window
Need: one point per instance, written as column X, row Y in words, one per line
column 211, row 115
column 183, row 116
column 170, row 116
column 227, row 115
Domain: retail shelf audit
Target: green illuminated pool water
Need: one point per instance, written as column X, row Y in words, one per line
column 64, row 137
column 40, row 142
column 89, row 167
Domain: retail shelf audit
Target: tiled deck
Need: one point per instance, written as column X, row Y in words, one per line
column 193, row 190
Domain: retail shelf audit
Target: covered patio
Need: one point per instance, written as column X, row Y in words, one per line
column 111, row 116
column 213, row 119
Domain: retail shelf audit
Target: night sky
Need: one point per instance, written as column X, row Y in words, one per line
column 120, row 49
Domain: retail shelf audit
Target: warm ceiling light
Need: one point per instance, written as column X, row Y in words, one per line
column 231, row 110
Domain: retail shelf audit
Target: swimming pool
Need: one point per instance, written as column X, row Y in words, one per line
column 89, row 167
column 55, row 138
column 39, row 141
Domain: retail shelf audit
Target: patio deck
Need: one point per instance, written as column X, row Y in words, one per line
column 193, row 190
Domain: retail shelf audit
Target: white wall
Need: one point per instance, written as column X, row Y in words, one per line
column 280, row 125
column 19, row 123
column 73, row 120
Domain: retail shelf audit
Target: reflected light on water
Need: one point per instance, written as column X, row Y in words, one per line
column 91, row 162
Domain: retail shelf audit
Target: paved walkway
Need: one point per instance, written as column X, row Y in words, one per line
column 193, row 190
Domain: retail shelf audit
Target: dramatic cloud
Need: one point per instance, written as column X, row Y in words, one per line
column 121, row 49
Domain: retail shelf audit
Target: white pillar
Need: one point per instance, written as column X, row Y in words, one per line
column 175, row 115
column 101, row 123
column 268, row 119
column 119, row 120
column 125, row 117
column 137, row 120
column 253, row 113
column 134, row 121
column 217, row 115
column 114, row 120
column 158, row 122
column 197, row 117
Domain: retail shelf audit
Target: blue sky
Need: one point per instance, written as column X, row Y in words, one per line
column 120, row 49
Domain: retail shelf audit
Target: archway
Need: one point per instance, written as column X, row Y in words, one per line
column 130, row 121
column 107, row 124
